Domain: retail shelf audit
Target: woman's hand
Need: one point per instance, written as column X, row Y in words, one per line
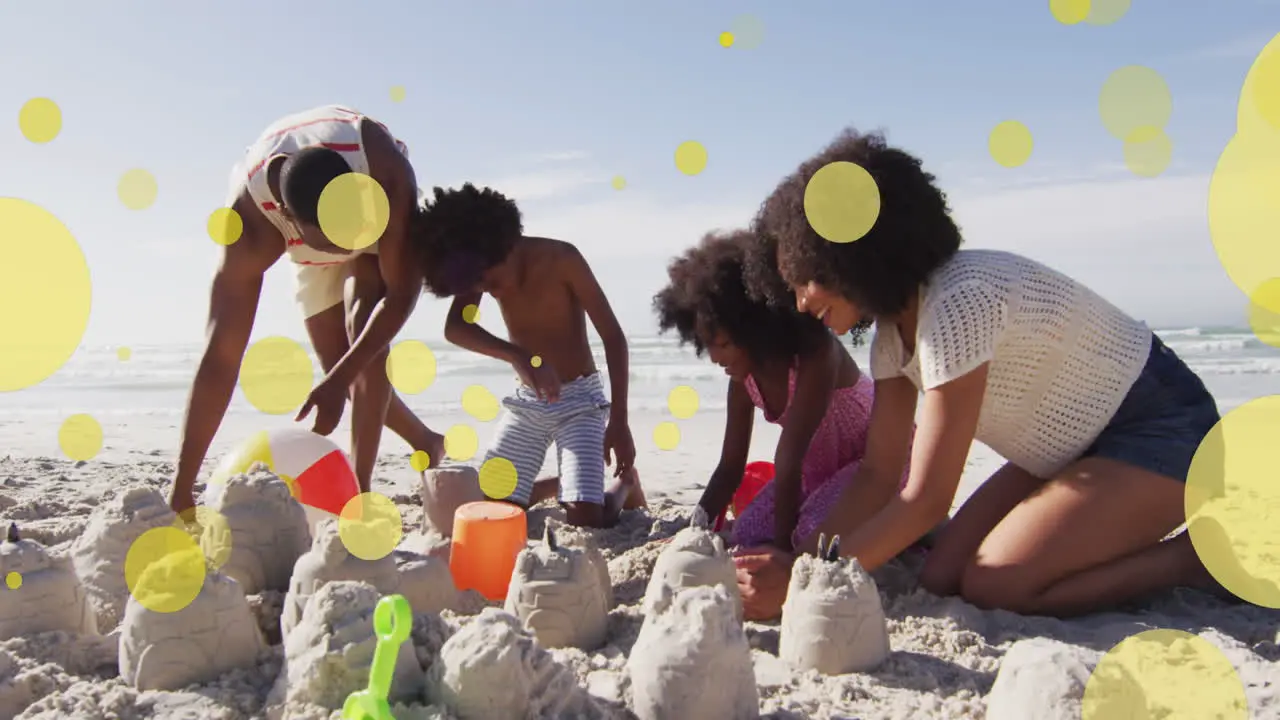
column 764, row 572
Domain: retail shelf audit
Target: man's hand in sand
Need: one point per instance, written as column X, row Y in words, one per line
column 764, row 572
column 328, row 400
column 182, row 500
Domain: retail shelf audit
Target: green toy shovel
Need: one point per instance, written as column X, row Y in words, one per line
column 392, row 623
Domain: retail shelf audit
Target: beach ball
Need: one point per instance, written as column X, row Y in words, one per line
column 319, row 473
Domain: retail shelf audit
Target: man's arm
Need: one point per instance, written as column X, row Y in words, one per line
column 470, row 336
column 589, row 293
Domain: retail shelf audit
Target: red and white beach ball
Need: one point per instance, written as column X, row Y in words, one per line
column 319, row 473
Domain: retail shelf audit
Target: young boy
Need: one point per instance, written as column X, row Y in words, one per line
column 471, row 242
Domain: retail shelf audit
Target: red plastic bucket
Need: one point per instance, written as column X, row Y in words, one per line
column 754, row 478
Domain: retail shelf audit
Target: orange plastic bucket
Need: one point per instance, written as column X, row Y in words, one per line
column 487, row 537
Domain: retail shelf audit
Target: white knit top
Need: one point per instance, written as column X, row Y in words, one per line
column 1061, row 358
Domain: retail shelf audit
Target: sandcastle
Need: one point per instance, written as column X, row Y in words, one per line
column 692, row 659
column 1045, row 679
column 832, row 619
column 99, row 553
column 50, row 597
column 214, row 633
column 695, row 556
column 445, row 489
column 265, row 527
column 424, row 581
column 556, row 592
column 493, row 668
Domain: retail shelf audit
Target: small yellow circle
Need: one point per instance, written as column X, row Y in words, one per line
column 691, row 157
column 1164, row 673
column 1232, row 499
column 40, row 120
column 619, row 182
column 1264, row 312
column 666, row 435
column 498, row 478
column 137, row 189
column 1106, row 12
column 43, row 268
column 397, row 93
column 123, row 354
column 1010, row 143
column 225, row 226
column 13, row 580
column 1258, row 110
column 211, row 530
column 420, row 461
column 276, row 375
column 471, row 314
column 1132, row 97
column 1069, row 12
column 353, row 211
column 461, row 442
column 164, row 569
column 682, row 401
column 1243, row 211
column 842, row 202
column 411, row 366
column 536, row 361
column 1148, row 151
column 480, row 403
column 370, row 526
column 80, row 437
column 726, row 39
column 748, row 32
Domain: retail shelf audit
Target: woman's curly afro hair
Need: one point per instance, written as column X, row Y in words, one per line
column 459, row 234
column 912, row 236
column 707, row 293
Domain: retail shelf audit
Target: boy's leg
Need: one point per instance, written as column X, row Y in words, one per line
column 624, row 494
column 522, row 437
column 579, row 439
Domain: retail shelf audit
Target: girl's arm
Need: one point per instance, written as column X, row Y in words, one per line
column 740, row 417
column 815, row 383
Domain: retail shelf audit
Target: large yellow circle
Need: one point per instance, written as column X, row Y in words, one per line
column 40, row 120
column 1233, row 499
column 370, row 526
column 1106, row 12
column 682, row 401
column 137, row 189
column 842, row 202
column 353, row 211
column 411, row 366
column 666, row 435
column 1069, row 12
column 1265, row 322
column 276, row 375
column 1010, row 143
column 164, row 569
column 210, row 529
column 480, row 403
column 1148, row 151
column 80, row 437
column 1258, row 110
column 461, row 443
column 691, row 157
column 498, row 478
column 45, row 274
column 225, row 226
column 1163, row 673
column 1244, row 210
column 1132, row 97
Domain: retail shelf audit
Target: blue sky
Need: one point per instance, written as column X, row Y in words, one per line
column 549, row 100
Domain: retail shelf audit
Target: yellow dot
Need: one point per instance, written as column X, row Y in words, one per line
column 1106, row 12
column 1164, row 673
column 748, row 32
column 691, row 157
column 420, row 461
column 13, row 580
column 536, row 361
column 1010, row 143
column 123, row 354
column 461, row 442
column 1148, row 151
column 210, row 529
column 225, row 226
column 726, row 39
column 353, row 211
column 40, row 120
column 1131, row 97
column 498, row 478
column 666, row 436
column 682, row 401
column 1069, row 12
column 1259, row 106
column 137, row 189
column 1264, row 312
column 411, row 366
column 397, row 93
column 842, row 202
column 370, row 526
column 1232, row 499
column 619, row 182
column 1244, row 210
column 80, row 437
column 471, row 314
column 276, row 375
column 43, row 269
column 480, row 403
column 164, row 569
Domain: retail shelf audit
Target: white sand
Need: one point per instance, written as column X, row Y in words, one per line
column 944, row 660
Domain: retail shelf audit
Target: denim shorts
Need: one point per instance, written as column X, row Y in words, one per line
column 1162, row 420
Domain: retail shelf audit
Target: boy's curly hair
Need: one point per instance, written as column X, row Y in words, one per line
column 707, row 292
column 912, row 236
column 459, row 234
